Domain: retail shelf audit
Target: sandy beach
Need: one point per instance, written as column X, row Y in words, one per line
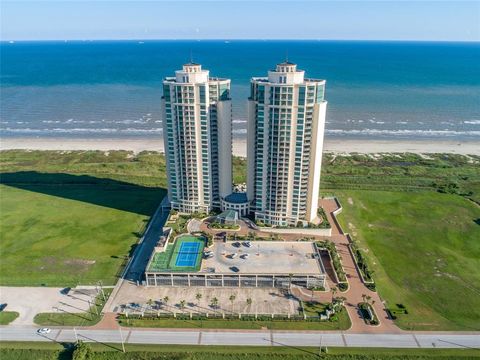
column 240, row 146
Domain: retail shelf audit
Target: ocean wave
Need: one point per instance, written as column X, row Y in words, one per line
column 82, row 130
column 472, row 122
column 403, row 132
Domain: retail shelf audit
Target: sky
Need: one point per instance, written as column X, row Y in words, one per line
column 267, row 19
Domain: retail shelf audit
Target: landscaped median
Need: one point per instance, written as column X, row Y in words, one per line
column 6, row 317
column 310, row 319
column 340, row 273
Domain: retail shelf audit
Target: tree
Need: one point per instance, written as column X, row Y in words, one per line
column 249, row 301
column 165, row 300
column 150, row 303
column 83, row 351
column 182, row 304
column 232, row 299
column 364, row 297
column 198, row 296
column 334, row 291
column 368, row 297
column 214, row 303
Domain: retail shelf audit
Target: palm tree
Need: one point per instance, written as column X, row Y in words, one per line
column 334, row 291
column 150, row 303
column 165, row 300
column 214, row 304
column 232, row 299
column 364, row 297
column 249, row 301
column 182, row 304
column 368, row 297
column 198, row 296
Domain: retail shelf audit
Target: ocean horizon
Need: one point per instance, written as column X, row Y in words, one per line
column 382, row 90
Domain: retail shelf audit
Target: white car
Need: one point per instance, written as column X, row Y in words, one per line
column 44, row 331
column 233, row 256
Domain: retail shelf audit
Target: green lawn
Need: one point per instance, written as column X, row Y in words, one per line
column 425, row 251
column 73, row 217
column 343, row 323
column 37, row 350
column 6, row 317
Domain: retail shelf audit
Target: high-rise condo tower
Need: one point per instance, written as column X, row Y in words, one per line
column 197, row 129
column 286, row 121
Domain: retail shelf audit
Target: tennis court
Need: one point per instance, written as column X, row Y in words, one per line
column 187, row 254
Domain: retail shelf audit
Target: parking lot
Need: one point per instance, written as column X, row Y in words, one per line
column 264, row 301
column 29, row 301
column 263, row 257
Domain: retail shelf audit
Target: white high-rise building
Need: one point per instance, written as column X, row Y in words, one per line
column 197, row 128
column 286, row 122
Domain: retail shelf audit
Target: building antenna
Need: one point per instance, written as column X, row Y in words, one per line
column 191, row 56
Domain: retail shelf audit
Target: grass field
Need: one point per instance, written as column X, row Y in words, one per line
column 46, row 351
column 6, row 317
column 61, row 229
column 425, row 251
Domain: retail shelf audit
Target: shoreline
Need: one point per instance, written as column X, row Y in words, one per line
column 239, row 147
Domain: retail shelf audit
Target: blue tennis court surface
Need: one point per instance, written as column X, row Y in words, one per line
column 187, row 255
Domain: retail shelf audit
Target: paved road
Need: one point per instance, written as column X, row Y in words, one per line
column 145, row 248
column 257, row 338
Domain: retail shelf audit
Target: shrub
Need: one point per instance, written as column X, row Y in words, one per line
column 83, row 351
column 343, row 286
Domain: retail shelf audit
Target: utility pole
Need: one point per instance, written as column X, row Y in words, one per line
column 101, row 289
column 75, row 332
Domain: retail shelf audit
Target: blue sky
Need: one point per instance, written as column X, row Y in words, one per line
column 356, row 20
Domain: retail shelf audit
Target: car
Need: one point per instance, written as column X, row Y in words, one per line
column 234, row 269
column 233, row 256
column 236, row 244
column 245, row 256
column 44, row 331
column 247, row 244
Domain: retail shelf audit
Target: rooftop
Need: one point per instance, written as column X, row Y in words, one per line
column 228, row 215
column 237, row 198
column 265, row 257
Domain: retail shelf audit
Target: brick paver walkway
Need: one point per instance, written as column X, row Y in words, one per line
column 356, row 287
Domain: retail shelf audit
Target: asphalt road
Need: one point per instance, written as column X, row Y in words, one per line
column 254, row 338
column 145, row 248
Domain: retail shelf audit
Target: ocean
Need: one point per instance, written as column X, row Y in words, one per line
column 112, row 89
